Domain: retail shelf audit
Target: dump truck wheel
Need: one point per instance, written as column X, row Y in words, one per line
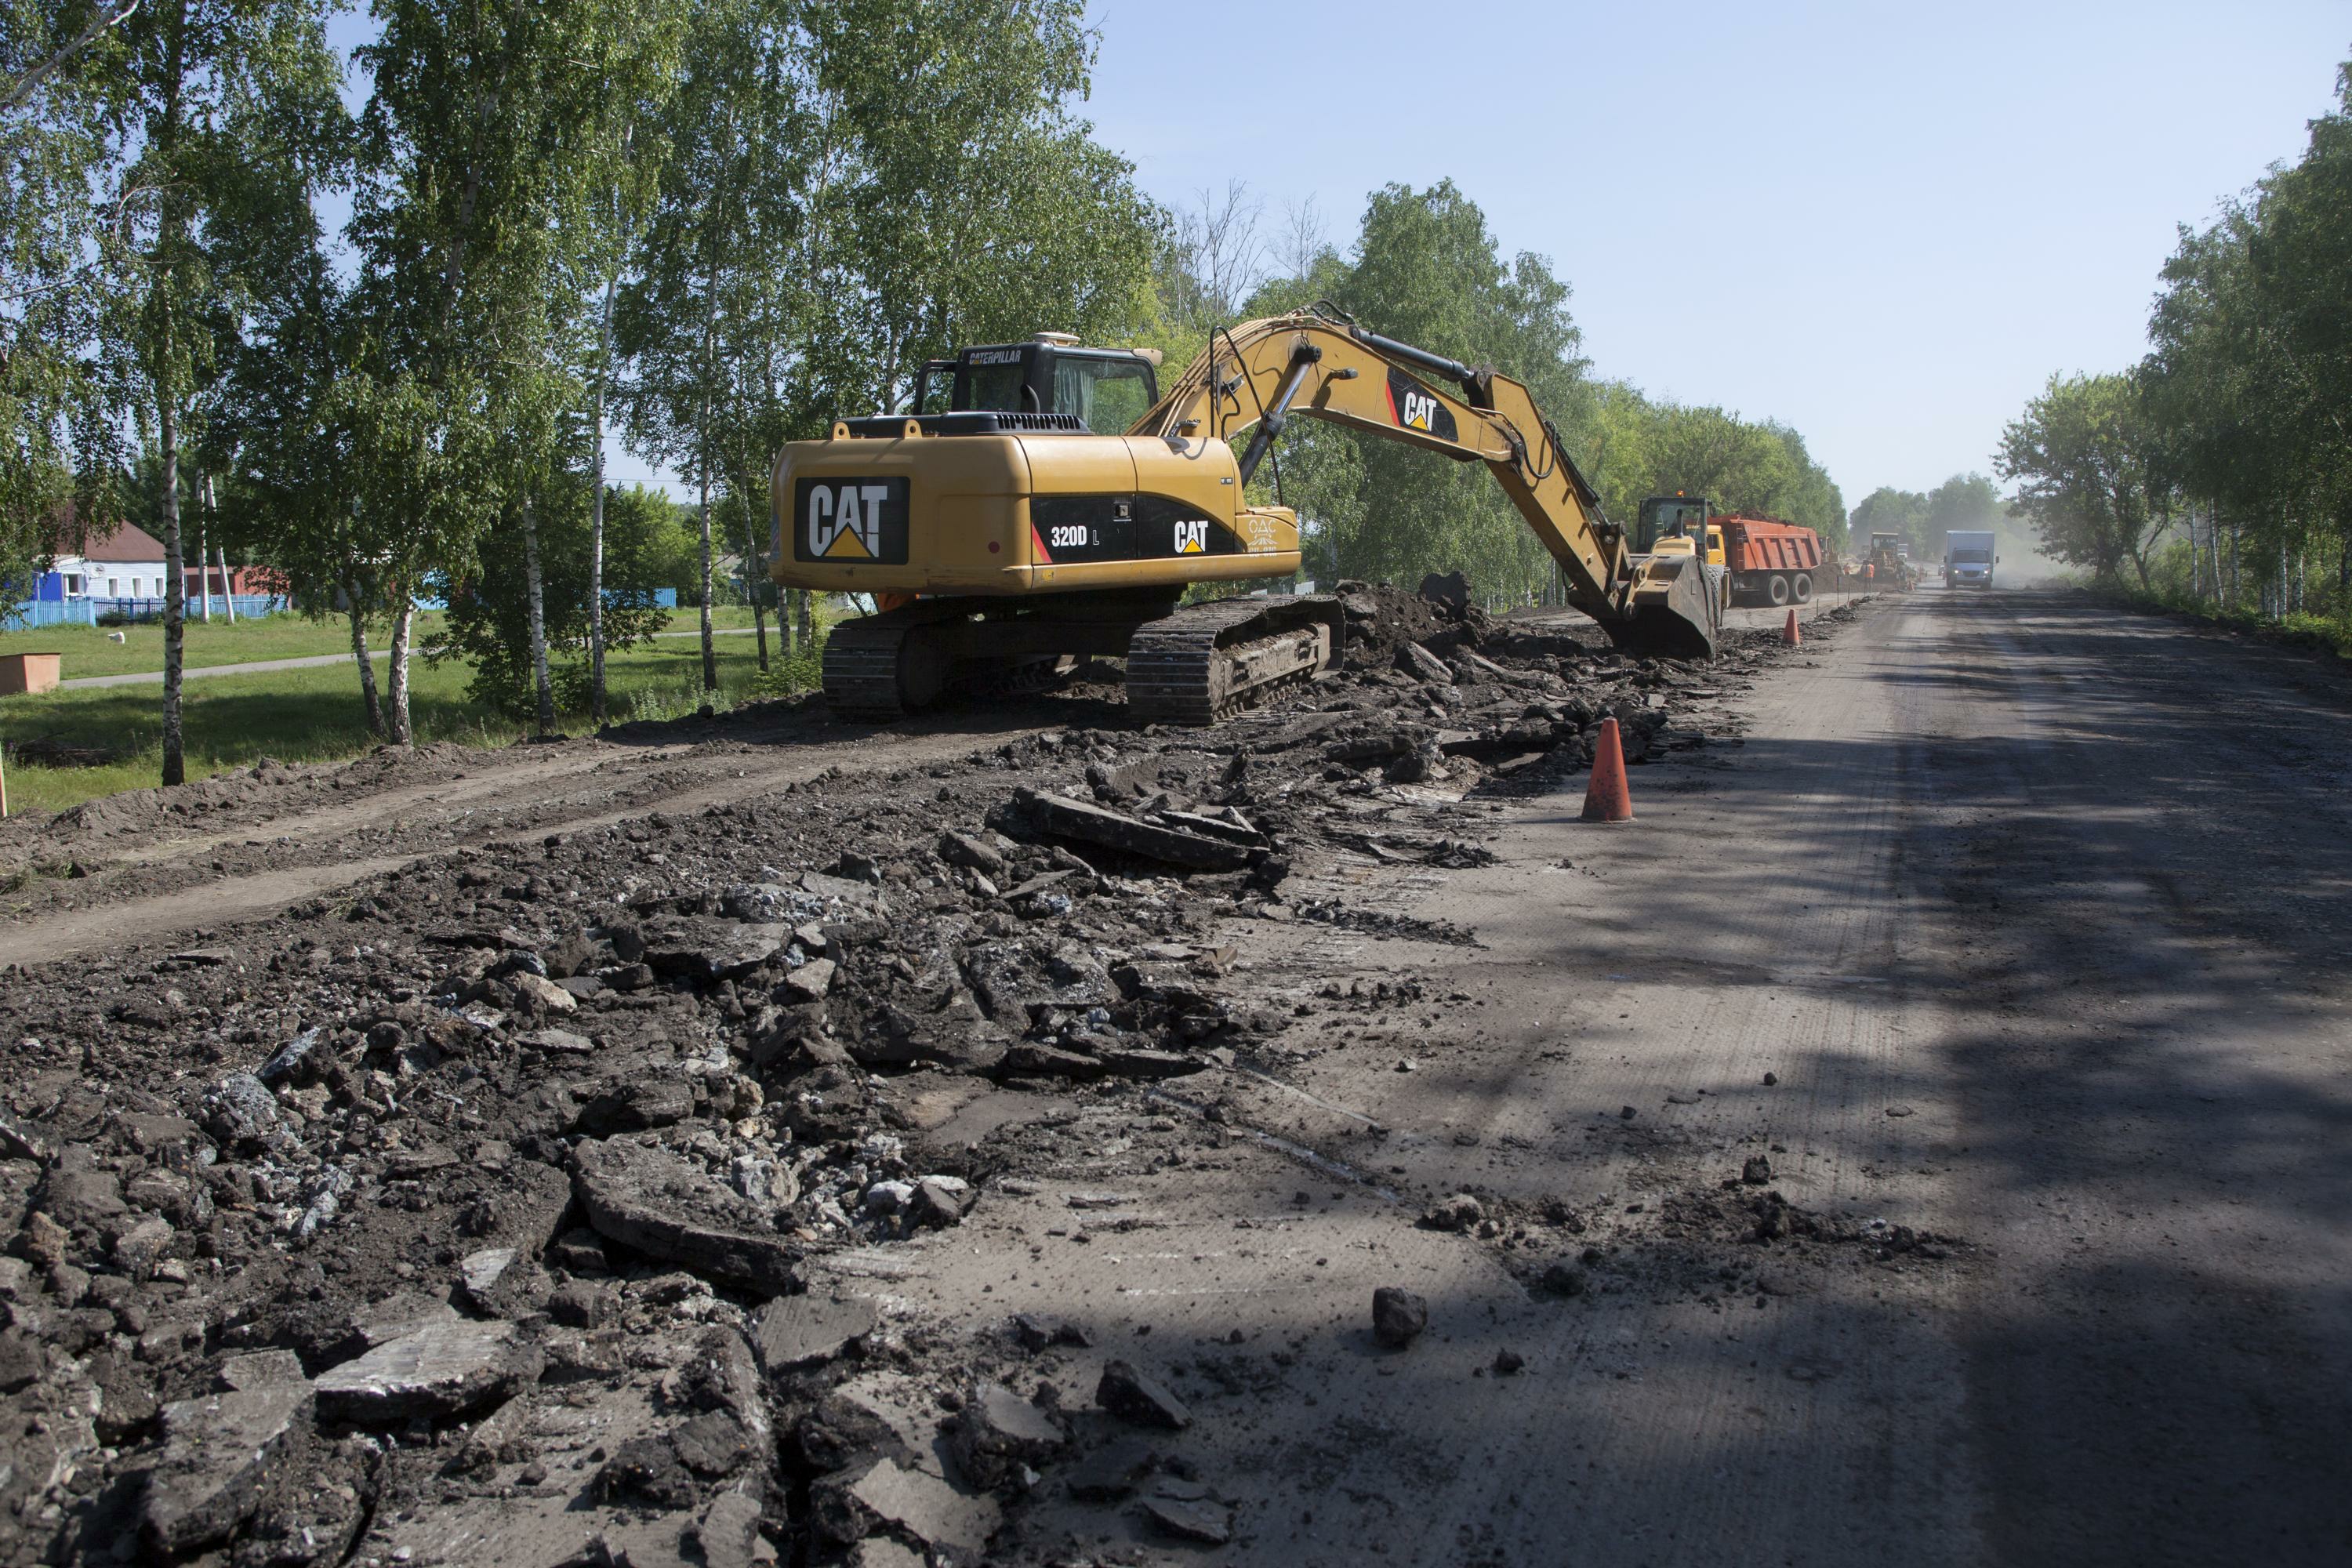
column 1801, row 587
column 1777, row 590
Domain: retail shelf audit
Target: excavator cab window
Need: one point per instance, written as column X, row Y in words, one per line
column 998, row 379
column 1108, row 392
column 935, row 387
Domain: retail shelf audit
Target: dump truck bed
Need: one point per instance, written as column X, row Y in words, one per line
column 1758, row 544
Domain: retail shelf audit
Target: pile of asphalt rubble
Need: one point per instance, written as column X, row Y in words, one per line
column 500, row 1183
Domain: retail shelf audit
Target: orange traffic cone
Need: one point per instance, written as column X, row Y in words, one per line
column 1607, row 799
column 1790, row 633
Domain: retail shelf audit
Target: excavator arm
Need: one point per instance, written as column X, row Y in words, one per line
column 1258, row 375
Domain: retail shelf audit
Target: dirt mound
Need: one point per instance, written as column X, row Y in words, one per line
column 1382, row 618
column 266, row 788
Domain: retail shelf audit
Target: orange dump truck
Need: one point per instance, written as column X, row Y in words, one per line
column 1769, row 562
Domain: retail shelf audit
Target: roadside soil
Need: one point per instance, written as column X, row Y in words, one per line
column 1022, row 1137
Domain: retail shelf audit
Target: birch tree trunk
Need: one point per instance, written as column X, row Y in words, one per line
column 164, row 368
column 403, row 620
column 228, row 587
column 754, row 572
column 175, row 587
column 596, row 513
column 541, row 689
column 709, row 331
column 709, row 651
column 204, row 549
column 366, row 661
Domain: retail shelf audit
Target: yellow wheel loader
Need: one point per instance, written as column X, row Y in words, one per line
column 1047, row 501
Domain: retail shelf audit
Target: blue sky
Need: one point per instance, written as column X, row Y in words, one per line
column 1883, row 224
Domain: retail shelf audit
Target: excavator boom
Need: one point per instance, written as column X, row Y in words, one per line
column 1258, row 375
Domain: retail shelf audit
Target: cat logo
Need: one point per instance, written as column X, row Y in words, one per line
column 1192, row 536
column 1415, row 408
column 847, row 522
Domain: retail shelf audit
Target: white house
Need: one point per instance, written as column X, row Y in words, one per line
column 127, row 564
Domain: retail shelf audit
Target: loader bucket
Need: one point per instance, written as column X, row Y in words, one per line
column 1677, row 613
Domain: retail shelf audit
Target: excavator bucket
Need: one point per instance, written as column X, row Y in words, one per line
column 1676, row 611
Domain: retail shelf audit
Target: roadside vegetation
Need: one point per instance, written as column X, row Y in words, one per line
column 2216, row 475
column 66, row 747
column 253, row 639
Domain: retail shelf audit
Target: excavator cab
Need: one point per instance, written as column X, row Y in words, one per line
column 1672, row 525
column 1045, row 385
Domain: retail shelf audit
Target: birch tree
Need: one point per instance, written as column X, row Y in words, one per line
column 214, row 105
column 456, row 227
column 711, row 250
column 61, row 449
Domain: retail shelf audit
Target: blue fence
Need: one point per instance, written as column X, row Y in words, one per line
column 38, row 612
column 86, row 611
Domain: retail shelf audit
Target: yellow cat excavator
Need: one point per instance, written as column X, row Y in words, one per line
column 1044, row 500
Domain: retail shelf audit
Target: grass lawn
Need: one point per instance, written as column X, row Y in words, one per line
column 89, row 651
column 315, row 715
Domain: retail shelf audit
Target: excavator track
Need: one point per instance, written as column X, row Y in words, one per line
column 884, row 667
column 862, row 666
column 1204, row 661
column 1192, row 664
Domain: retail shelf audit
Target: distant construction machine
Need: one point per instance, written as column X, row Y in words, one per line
column 1888, row 563
column 1756, row 560
column 1045, row 501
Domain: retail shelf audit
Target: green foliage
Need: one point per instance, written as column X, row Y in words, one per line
column 1429, row 272
column 970, row 205
column 1963, row 502
column 1643, row 448
column 55, row 438
column 2238, row 424
column 2079, row 456
column 489, row 612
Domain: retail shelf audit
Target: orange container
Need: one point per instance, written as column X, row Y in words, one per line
column 31, row 673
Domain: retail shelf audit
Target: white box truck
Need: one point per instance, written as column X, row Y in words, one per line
column 1968, row 558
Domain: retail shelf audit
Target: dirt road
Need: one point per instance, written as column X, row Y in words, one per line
column 143, row 873
column 2043, row 944
column 1919, row 1137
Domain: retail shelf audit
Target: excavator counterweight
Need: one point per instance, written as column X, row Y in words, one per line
column 1059, row 505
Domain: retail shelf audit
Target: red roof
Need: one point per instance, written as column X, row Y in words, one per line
column 127, row 542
